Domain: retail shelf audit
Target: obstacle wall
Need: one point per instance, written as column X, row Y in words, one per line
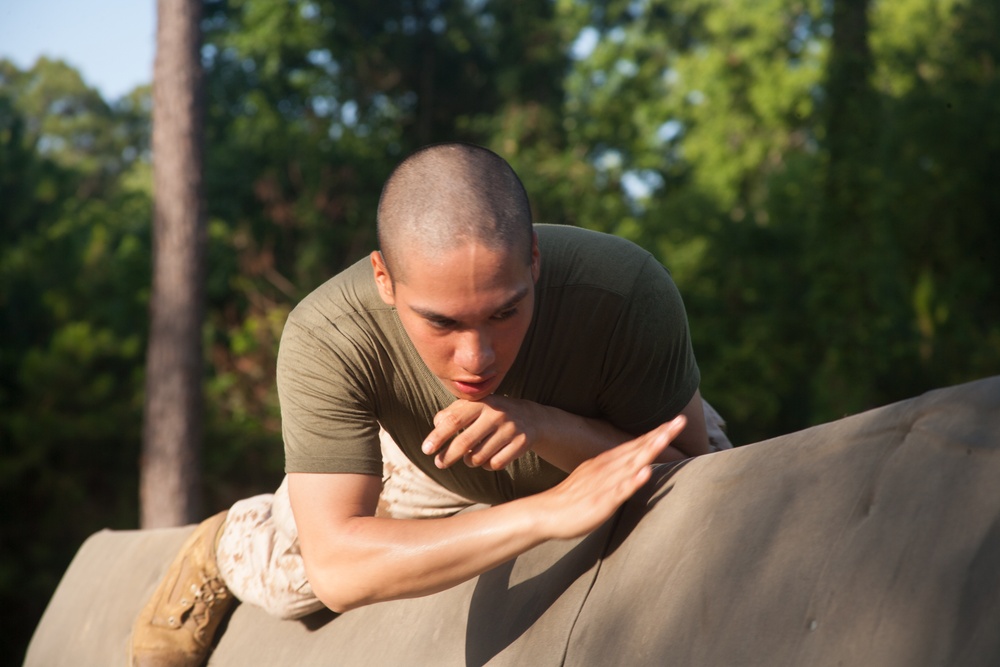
column 873, row 540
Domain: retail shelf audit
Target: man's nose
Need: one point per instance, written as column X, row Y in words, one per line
column 475, row 351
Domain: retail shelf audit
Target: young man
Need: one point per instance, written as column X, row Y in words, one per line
column 513, row 365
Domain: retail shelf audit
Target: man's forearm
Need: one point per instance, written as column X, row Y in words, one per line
column 378, row 559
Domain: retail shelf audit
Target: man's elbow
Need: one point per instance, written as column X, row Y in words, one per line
column 340, row 595
column 340, row 605
column 339, row 583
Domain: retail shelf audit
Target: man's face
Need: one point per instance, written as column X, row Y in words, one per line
column 466, row 312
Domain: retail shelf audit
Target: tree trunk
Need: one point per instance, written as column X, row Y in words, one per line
column 852, row 111
column 854, row 305
column 172, row 427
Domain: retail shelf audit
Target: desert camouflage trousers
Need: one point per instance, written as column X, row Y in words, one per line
column 258, row 552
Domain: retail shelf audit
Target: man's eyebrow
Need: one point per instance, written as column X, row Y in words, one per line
column 428, row 314
column 514, row 300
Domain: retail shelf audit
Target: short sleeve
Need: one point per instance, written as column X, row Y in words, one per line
column 327, row 419
column 650, row 373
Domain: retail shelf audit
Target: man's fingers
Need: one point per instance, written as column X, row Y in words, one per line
column 599, row 486
column 628, row 466
column 450, row 453
column 463, row 446
column 469, row 430
column 633, row 459
column 653, row 443
column 449, row 423
column 488, row 443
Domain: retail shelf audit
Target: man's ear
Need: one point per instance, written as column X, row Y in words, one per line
column 383, row 281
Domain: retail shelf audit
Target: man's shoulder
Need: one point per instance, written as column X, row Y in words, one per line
column 558, row 235
column 577, row 256
column 349, row 294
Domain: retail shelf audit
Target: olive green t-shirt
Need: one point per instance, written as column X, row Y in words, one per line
column 608, row 339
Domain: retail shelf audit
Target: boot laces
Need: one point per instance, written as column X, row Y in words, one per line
column 204, row 598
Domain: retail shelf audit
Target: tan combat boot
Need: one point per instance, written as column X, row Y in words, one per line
column 178, row 624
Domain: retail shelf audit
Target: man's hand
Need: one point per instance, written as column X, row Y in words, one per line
column 598, row 487
column 494, row 431
column 489, row 433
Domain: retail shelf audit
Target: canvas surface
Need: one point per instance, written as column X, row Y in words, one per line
column 872, row 540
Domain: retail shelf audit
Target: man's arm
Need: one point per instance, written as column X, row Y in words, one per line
column 493, row 432
column 353, row 558
column 693, row 440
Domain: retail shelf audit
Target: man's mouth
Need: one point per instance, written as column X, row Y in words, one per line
column 474, row 388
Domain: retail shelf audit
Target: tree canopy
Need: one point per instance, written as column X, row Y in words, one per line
column 820, row 178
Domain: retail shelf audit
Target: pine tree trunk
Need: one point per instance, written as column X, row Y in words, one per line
column 852, row 110
column 172, row 428
column 855, row 303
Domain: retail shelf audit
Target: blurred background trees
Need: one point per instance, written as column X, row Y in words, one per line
column 172, row 424
column 821, row 178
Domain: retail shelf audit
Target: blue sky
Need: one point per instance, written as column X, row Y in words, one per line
column 111, row 42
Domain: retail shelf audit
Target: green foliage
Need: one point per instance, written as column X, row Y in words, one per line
column 822, row 229
column 827, row 204
column 73, row 262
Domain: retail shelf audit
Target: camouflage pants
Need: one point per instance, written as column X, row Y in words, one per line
column 258, row 552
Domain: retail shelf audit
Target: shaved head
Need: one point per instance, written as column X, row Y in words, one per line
column 445, row 196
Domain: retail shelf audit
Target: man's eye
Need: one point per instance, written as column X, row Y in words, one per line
column 442, row 324
column 506, row 314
